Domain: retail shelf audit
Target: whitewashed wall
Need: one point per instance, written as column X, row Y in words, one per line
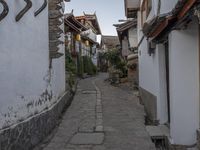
column 184, row 84
column 132, row 34
column 58, row 70
column 25, row 78
column 166, row 6
column 152, row 77
column 152, row 72
column 184, row 77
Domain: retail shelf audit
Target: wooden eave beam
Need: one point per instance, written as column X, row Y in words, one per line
column 72, row 26
column 165, row 22
column 185, row 8
column 79, row 24
column 161, row 27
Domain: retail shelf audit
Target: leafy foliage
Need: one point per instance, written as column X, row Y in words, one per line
column 117, row 63
column 70, row 68
column 88, row 66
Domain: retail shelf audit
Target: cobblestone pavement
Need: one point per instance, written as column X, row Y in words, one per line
column 102, row 117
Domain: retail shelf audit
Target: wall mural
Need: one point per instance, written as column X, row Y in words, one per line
column 5, row 10
column 56, row 18
column 41, row 8
column 24, row 10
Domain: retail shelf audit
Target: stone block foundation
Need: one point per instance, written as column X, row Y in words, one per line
column 27, row 134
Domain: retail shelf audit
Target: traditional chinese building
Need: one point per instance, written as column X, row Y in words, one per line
column 73, row 30
column 127, row 33
column 109, row 42
column 91, row 22
column 168, row 46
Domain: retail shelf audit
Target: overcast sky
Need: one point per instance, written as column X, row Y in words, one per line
column 107, row 11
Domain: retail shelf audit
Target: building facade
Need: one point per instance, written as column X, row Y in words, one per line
column 91, row 22
column 168, row 48
column 32, row 81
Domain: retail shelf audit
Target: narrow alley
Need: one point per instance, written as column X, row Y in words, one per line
column 100, row 75
column 101, row 117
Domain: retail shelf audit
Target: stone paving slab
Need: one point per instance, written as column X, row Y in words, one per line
column 108, row 119
column 87, row 139
column 89, row 92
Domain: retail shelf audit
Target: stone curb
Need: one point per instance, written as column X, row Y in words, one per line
column 99, row 111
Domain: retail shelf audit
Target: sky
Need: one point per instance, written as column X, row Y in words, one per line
column 108, row 12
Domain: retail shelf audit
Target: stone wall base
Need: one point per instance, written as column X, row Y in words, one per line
column 29, row 133
column 198, row 139
column 170, row 146
column 150, row 104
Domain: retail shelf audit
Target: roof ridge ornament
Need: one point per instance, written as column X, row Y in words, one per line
column 41, row 8
column 24, row 10
column 5, row 10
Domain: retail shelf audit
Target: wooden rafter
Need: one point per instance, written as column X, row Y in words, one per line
column 186, row 8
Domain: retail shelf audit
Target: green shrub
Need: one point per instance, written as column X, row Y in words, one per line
column 113, row 56
column 88, row 66
column 70, row 67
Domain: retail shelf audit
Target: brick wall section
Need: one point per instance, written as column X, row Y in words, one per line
column 55, row 20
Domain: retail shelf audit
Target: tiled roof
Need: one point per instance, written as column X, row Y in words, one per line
column 110, row 41
column 126, row 25
column 71, row 21
column 93, row 19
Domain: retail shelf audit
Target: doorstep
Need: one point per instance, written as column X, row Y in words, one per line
column 158, row 131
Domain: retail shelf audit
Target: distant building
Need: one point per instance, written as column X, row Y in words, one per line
column 91, row 22
column 109, row 42
column 127, row 34
column 73, row 42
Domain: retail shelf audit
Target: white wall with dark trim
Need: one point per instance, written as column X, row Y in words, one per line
column 184, row 84
column 27, row 84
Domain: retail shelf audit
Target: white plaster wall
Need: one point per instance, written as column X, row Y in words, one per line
column 89, row 33
column 162, row 86
column 184, row 84
column 132, row 34
column 152, row 77
column 148, row 68
column 58, row 70
column 166, row 7
column 139, row 27
column 24, row 65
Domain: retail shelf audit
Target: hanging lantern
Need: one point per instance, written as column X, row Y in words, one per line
column 78, row 37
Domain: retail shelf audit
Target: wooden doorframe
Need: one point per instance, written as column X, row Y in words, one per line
column 166, row 45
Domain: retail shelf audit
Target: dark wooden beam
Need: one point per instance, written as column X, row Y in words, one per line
column 186, row 8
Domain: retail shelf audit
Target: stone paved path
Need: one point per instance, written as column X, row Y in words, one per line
column 102, row 117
